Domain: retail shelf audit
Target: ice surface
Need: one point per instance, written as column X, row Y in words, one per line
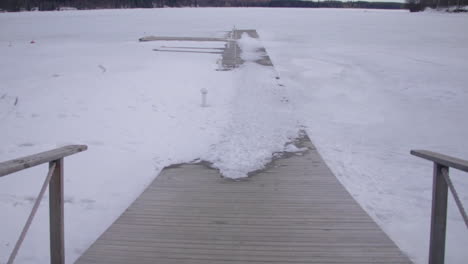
column 368, row 85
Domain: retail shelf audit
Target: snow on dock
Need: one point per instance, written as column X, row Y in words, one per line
column 294, row 211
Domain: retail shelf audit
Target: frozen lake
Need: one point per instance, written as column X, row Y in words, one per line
column 366, row 85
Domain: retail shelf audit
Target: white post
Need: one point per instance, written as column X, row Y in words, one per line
column 204, row 92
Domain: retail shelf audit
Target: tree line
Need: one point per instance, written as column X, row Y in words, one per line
column 19, row 5
column 419, row 5
column 336, row 4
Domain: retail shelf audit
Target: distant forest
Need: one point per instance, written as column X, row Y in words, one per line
column 419, row 5
column 20, row 5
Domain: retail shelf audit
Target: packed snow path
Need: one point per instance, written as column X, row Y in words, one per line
column 296, row 211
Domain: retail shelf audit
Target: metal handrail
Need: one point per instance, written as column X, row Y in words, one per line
column 440, row 187
column 15, row 165
column 56, row 208
column 31, row 215
column 455, row 196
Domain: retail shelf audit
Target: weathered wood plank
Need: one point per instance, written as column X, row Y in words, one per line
column 56, row 214
column 163, row 38
column 188, row 51
column 251, row 246
column 442, row 159
column 189, row 214
column 15, row 165
column 438, row 217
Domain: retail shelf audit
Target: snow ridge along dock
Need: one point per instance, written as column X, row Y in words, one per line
column 294, row 211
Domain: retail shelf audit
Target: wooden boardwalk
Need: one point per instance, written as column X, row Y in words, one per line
column 295, row 211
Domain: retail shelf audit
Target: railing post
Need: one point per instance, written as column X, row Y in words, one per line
column 56, row 212
column 438, row 216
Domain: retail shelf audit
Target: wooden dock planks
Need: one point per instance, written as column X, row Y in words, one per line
column 295, row 211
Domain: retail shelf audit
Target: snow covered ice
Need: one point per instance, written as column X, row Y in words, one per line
column 367, row 86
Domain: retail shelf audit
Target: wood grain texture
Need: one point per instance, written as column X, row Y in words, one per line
column 295, row 211
column 15, row 165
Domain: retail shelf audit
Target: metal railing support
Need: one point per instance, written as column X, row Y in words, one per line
column 56, row 214
column 55, row 182
column 440, row 187
column 438, row 216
